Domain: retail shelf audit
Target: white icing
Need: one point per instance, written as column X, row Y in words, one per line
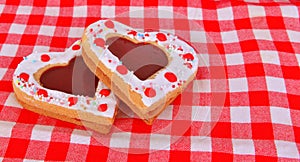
column 32, row 63
column 160, row 84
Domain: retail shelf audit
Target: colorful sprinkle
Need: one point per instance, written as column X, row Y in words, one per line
column 140, row 35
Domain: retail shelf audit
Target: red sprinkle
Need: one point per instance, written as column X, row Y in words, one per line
column 180, row 49
column 76, row 47
column 88, row 102
column 99, row 42
column 109, row 24
column 189, row 65
column 45, row 57
column 102, row 107
column 150, row 92
column 42, row 92
column 24, row 76
column 132, row 32
column 72, row 100
column 161, row 37
column 122, row 69
column 104, row 92
column 188, row 56
column 171, row 77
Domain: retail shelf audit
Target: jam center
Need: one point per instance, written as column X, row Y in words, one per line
column 144, row 59
column 74, row 78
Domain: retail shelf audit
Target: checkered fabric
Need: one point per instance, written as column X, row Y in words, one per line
column 258, row 42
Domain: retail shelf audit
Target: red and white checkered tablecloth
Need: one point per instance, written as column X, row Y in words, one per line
column 257, row 42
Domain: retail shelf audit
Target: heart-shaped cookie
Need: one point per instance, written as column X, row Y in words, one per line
column 146, row 70
column 59, row 85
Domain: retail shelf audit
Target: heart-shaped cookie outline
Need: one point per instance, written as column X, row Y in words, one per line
column 78, row 109
column 146, row 98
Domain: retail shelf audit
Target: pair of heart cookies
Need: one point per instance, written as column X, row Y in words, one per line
column 146, row 71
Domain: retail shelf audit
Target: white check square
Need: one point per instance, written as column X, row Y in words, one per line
column 270, row 57
column 12, row 101
column 240, row 114
column 225, row 13
column 80, row 11
column 120, row 140
column 2, row 72
column 165, row 12
column 256, row 11
column 17, row 28
column 243, row 146
column 41, row 48
column 167, row 114
column 107, row 11
column 289, row 11
column 52, row 11
column 294, row 36
column 198, row 36
column 229, row 37
column 201, row 86
column 136, row 12
column 238, row 85
column 234, row 59
column 194, row 13
column 80, row 137
column 41, row 133
column 287, row 149
column 298, row 58
column 262, row 34
column 199, row 143
column 75, row 32
column 47, row 30
column 1, row 8
column 281, row 115
column 24, row 10
column 160, row 142
column 9, row 50
column 276, row 84
column 201, row 113
column 6, row 128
